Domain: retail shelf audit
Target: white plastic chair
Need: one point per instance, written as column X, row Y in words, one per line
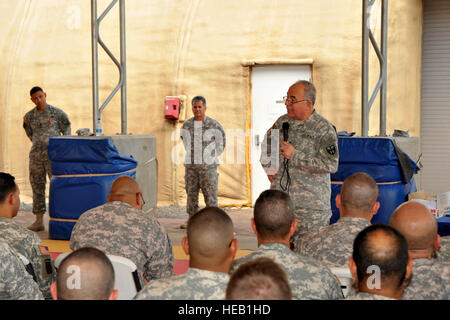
column 344, row 277
column 125, row 273
column 126, row 277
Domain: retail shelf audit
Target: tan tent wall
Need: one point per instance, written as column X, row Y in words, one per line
column 191, row 47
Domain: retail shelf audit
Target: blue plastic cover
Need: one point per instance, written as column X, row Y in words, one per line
column 375, row 156
column 72, row 196
column 86, row 156
column 83, row 170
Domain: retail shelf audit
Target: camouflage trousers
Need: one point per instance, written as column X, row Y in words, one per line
column 39, row 170
column 207, row 181
column 309, row 221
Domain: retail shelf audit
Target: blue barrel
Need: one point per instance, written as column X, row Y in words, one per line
column 390, row 167
column 83, row 170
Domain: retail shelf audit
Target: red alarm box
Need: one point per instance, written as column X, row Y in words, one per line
column 172, row 108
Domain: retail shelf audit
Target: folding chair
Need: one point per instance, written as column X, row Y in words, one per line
column 344, row 277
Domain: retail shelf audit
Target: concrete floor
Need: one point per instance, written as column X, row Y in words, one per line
column 241, row 219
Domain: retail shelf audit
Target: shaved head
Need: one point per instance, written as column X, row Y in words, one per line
column 259, row 279
column 125, row 185
column 210, row 232
column 359, row 193
column 415, row 222
column 85, row 274
column 127, row 190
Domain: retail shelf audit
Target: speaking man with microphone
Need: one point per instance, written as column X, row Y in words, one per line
column 307, row 149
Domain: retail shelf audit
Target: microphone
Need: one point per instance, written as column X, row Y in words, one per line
column 285, row 131
column 285, row 162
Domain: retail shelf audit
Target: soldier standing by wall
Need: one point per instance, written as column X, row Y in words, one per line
column 204, row 141
column 41, row 123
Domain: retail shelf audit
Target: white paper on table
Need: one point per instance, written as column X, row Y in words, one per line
column 443, row 203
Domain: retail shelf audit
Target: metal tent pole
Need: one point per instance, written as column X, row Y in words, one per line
column 365, row 70
column 96, row 39
column 382, row 58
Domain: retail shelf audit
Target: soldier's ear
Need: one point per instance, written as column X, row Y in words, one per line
column 254, row 226
column 338, row 201
column 54, row 291
column 409, row 268
column 293, row 228
column 352, row 267
column 185, row 245
column 10, row 198
column 234, row 247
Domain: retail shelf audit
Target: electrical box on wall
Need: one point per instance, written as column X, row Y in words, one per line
column 172, row 108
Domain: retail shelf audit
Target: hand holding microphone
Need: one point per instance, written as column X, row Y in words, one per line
column 286, row 151
column 286, row 148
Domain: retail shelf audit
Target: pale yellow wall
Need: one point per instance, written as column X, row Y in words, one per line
column 196, row 47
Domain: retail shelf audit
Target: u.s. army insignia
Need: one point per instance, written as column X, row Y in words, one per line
column 331, row 149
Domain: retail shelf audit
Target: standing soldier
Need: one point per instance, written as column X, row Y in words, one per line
column 204, row 141
column 41, row 123
column 308, row 153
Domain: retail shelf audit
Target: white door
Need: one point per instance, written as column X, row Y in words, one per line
column 269, row 85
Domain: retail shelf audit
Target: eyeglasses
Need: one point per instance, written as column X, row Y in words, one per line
column 290, row 101
column 143, row 201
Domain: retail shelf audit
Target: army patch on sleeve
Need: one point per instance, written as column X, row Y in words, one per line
column 331, row 149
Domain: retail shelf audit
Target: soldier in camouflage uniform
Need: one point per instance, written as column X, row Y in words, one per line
column 120, row 227
column 431, row 277
column 22, row 240
column 204, row 141
column 357, row 204
column 312, row 152
column 274, row 223
column 380, row 265
column 15, row 282
column 211, row 247
column 41, row 123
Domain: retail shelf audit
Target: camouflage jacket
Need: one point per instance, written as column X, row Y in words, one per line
column 29, row 244
column 308, row 278
column 195, row 284
column 366, row 296
column 430, row 281
column 316, row 155
column 52, row 122
column 15, row 282
column 333, row 244
column 203, row 141
column 119, row 229
column 443, row 254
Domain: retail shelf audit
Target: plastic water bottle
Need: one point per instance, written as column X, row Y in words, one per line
column 98, row 129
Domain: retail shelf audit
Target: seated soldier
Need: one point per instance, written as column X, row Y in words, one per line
column 259, row 279
column 121, row 228
column 380, row 265
column 274, row 223
column 211, row 247
column 85, row 274
column 357, row 204
column 431, row 277
column 15, row 282
column 22, row 240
